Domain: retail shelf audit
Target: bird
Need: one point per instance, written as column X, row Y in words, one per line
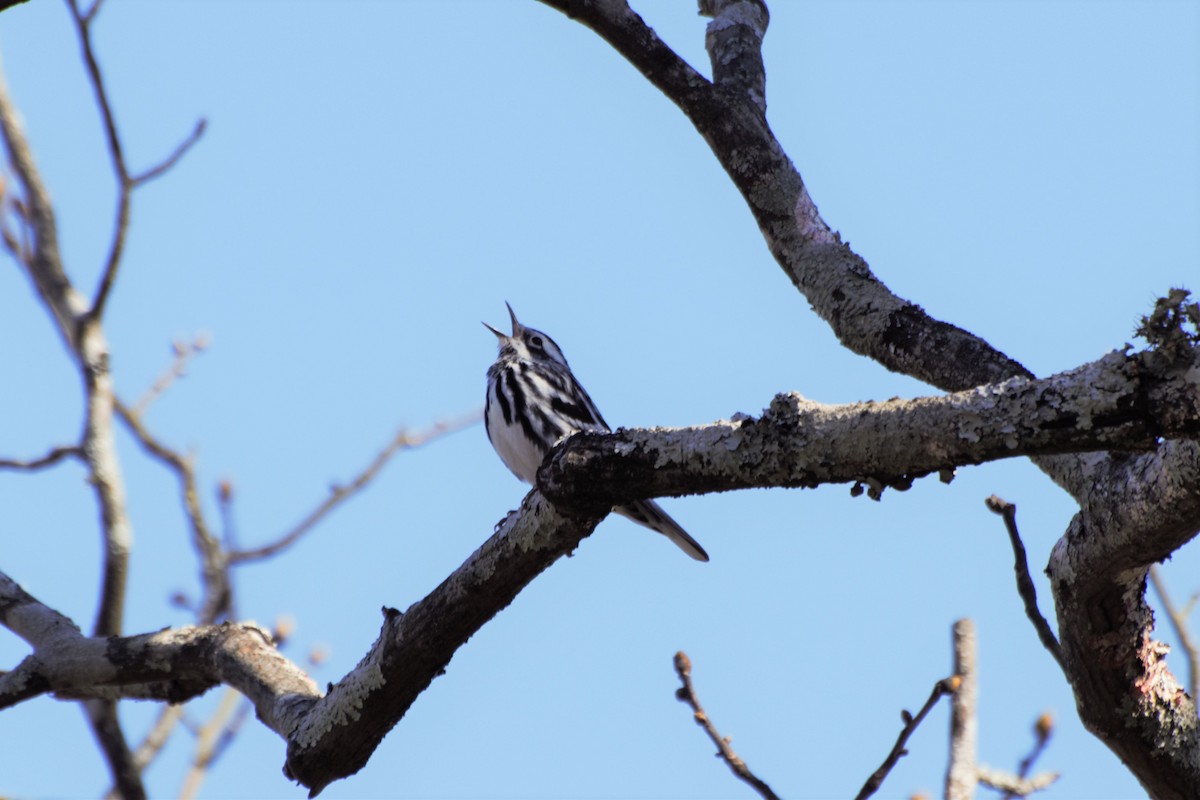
column 534, row 401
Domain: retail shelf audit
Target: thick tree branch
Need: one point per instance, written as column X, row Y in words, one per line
column 1126, row 694
column 338, row 735
column 172, row 665
column 1118, row 402
column 866, row 317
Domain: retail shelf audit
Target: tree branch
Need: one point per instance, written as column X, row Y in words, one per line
column 51, row 458
column 941, row 688
column 403, row 440
column 83, row 21
column 1013, row 786
column 338, row 735
column 164, row 166
column 1025, row 586
column 214, row 563
column 1022, row 787
column 687, row 694
column 798, row 442
column 1128, row 696
column 172, row 665
column 182, row 352
column 44, row 265
column 962, row 772
column 866, row 317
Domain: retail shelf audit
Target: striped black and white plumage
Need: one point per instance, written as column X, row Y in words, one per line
column 533, row 401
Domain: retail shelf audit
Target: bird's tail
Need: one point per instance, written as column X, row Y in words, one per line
column 651, row 515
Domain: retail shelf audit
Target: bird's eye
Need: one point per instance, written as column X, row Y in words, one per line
column 536, row 341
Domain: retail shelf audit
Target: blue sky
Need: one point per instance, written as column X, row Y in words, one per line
column 377, row 178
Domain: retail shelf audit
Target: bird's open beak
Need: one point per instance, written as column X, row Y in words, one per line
column 516, row 326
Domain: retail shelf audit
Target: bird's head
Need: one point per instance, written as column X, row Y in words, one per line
column 527, row 344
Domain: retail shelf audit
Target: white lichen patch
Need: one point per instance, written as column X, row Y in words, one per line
column 343, row 705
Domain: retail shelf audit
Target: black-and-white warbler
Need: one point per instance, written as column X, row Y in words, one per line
column 534, row 401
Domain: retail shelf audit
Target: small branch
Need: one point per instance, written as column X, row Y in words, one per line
column 50, row 459
column 1183, row 633
column 962, row 771
column 687, row 694
column 1022, row 787
column 1013, row 786
column 83, row 21
column 404, row 440
column 209, row 738
column 157, row 736
column 734, row 43
column 42, row 259
column 214, row 571
column 170, row 161
column 182, row 352
column 1025, row 585
column 106, row 726
column 126, row 181
column 942, row 687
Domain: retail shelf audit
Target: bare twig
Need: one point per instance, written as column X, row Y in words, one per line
column 1179, row 623
column 83, row 21
column 942, row 687
column 404, row 440
column 1025, row 585
column 51, row 458
column 170, row 161
column 1022, row 787
column 153, row 742
column 156, row 737
column 42, row 259
column 687, row 694
column 182, row 353
column 106, row 725
column 208, row 740
column 214, row 561
column 126, row 181
column 1013, row 786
